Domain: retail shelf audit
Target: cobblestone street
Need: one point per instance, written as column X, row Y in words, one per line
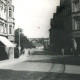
column 32, row 69
column 43, row 67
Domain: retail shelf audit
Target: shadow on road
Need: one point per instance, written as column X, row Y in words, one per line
column 70, row 60
column 42, row 61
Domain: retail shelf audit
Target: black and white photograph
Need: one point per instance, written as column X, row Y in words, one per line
column 39, row 39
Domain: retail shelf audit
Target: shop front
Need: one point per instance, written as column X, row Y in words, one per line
column 6, row 48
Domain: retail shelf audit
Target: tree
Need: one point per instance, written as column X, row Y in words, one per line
column 24, row 42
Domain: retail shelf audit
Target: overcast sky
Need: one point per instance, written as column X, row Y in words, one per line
column 33, row 16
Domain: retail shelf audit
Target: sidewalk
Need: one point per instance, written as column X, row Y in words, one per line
column 10, row 62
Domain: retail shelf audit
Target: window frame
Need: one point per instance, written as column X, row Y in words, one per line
column 10, row 29
column 77, row 25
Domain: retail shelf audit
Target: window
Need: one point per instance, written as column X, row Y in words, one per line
column 76, row 6
column 10, row 12
column 4, row 8
column 77, row 25
column 5, row 29
column 2, row 30
column 10, row 29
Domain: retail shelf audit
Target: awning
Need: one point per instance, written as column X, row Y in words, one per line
column 6, row 42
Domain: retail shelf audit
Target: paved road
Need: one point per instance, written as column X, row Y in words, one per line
column 33, row 69
column 40, row 67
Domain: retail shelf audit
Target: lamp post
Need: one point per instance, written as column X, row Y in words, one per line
column 19, row 43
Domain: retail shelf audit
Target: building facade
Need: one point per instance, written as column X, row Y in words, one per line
column 65, row 27
column 6, row 28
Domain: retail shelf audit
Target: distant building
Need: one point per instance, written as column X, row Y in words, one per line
column 46, row 43
column 65, row 27
column 40, row 42
column 6, row 29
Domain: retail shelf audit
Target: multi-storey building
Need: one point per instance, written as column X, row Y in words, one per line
column 65, row 26
column 6, row 28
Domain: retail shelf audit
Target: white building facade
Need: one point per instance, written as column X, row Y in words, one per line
column 7, row 27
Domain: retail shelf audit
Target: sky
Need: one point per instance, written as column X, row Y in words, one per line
column 33, row 16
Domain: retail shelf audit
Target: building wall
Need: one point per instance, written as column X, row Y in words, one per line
column 67, row 20
column 61, row 26
column 7, row 24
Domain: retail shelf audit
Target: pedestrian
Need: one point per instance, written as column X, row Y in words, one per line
column 26, row 52
column 29, row 52
column 62, row 51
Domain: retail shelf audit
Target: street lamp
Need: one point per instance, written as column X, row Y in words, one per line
column 19, row 43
